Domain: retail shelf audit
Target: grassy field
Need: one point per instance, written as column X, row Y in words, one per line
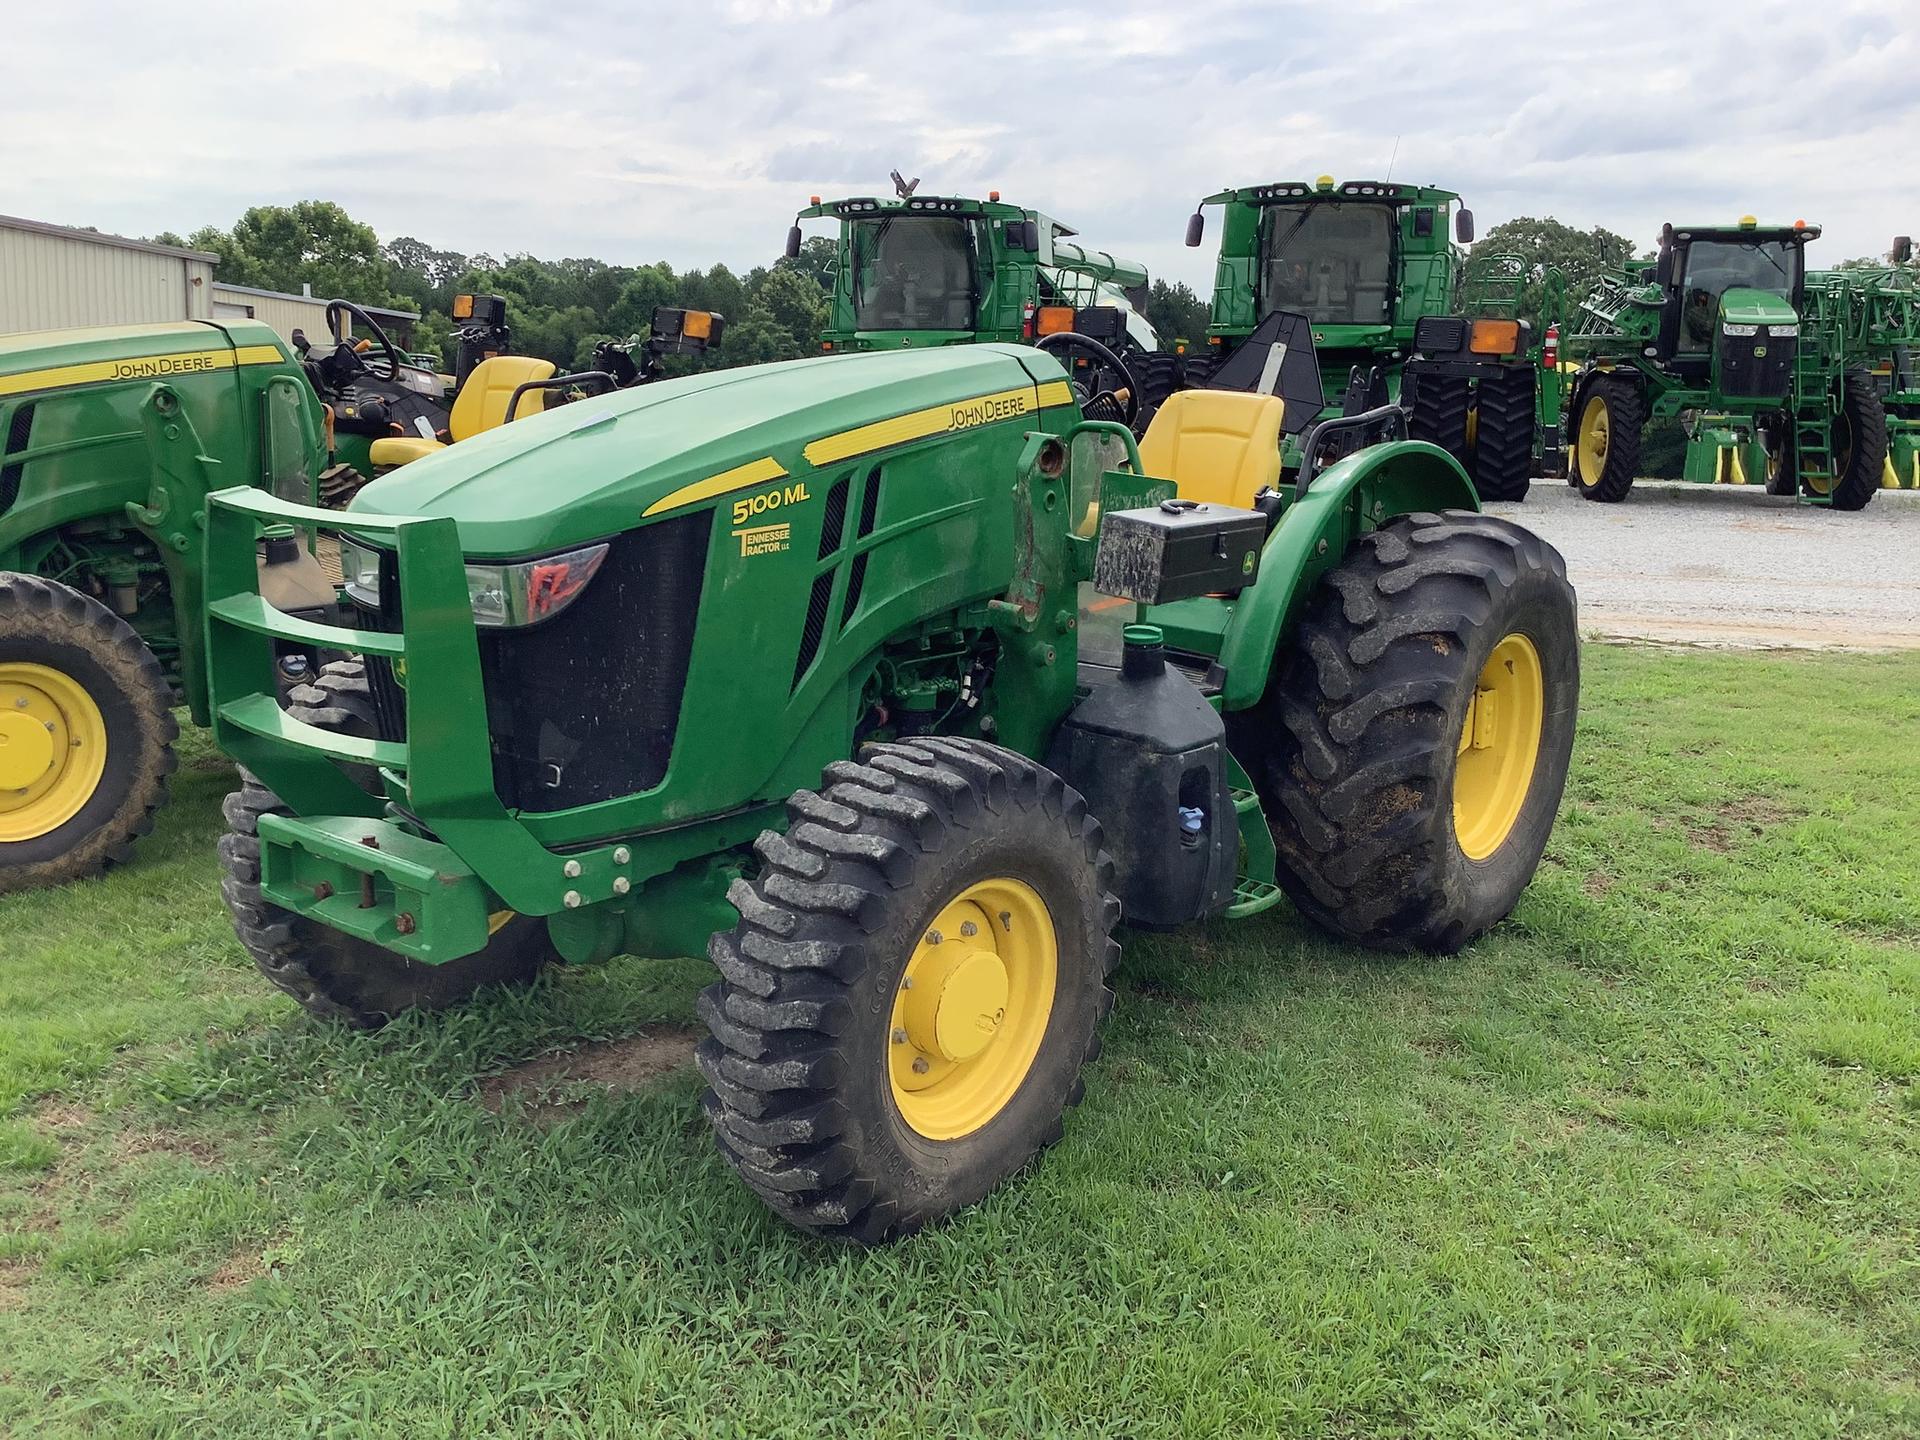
column 1645, row 1161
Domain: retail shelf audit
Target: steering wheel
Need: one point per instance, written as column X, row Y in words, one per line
column 390, row 352
column 1125, row 400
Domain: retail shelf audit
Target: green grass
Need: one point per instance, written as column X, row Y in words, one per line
column 1641, row 1162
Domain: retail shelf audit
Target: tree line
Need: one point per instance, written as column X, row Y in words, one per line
column 559, row 309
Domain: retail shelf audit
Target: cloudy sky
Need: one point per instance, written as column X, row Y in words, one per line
column 690, row 132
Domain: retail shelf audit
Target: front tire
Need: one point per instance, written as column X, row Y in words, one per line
column 333, row 975
column 1606, row 438
column 1411, row 752
column 86, row 735
column 1441, row 408
column 915, row 984
column 1503, row 433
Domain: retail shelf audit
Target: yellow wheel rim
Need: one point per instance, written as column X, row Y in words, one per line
column 1498, row 748
column 53, row 750
column 972, row 1008
column 1596, row 429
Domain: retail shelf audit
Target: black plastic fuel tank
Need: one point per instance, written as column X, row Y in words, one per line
column 1149, row 754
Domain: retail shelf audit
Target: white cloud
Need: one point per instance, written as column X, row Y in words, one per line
column 692, row 132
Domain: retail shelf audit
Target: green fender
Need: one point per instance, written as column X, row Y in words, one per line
column 1344, row 502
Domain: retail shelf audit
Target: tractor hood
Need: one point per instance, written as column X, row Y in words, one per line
column 1743, row 306
column 598, row 467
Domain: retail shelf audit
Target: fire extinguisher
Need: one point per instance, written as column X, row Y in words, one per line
column 1550, row 348
column 1027, row 321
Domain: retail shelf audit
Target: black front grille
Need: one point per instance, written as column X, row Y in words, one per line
column 1745, row 371
column 19, row 433
column 584, row 707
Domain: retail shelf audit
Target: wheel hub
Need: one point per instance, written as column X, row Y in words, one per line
column 957, row 1007
column 53, row 750
column 26, row 750
column 1499, row 747
column 972, row 1008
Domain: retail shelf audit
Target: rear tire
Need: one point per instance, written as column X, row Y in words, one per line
column 333, row 975
column 1356, row 748
column 1859, row 442
column 1604, row 457
column 72, row 669
column 810, row 1022
column 1503, row 403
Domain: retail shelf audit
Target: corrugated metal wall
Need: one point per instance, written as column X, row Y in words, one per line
column 284, row 313
column 50, row 282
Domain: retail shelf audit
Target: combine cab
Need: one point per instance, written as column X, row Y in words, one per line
column 1767, row 366
column 1367, row 268
column 928, row 270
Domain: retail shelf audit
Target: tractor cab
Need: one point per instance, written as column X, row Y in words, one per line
column 1730, row 301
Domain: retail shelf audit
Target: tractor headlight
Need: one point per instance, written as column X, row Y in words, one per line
column 532, row 590
column 360, row 567
column 1784, row 332
column 1743, row 331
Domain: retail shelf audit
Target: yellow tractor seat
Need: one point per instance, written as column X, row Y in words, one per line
column 480, row 405
column 1219, row 447
column 399, row 449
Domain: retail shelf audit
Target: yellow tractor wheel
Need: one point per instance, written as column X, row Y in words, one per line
column 915, row 984
column 1412, row 751
column 1609, row 412
column 86, row 734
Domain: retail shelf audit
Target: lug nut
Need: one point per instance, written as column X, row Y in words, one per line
column 920, row 1066
column 571, row 869
column 899, row 1036
column 934, row 937
column 571, row 899
column 967, row 927
column 621, row 855
column 621, row 885
column 907, row 984
column 403, row 923
column 323, row 891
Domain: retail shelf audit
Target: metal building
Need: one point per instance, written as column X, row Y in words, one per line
column 54, row 278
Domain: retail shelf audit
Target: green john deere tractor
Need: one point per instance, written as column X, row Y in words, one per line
column 786, row 664
column 110, row 441
column 1727, row 330
column 927, row 270
column 1365, row 269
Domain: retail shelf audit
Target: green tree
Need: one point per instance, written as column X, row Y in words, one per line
column 818, row 256
column 796, row 304
column 1580, row 256
column 1176, row 313
column 315, row 242
column 756, row 338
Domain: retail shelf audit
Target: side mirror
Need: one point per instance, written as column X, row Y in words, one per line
column 1463, row 225
column 1902, row 249
column 1030, row 236
column 793, row 242
column 1196, row 227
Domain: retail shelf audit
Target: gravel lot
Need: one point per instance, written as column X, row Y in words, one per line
column 1736, row 567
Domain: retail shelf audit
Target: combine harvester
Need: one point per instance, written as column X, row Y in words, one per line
column 1362, row 273
column 915, row 271
column 1770, row 367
